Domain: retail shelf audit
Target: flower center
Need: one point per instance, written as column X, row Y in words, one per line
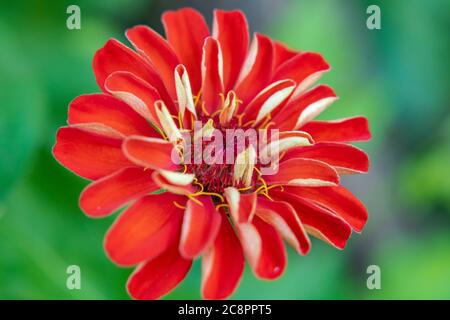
column 219, row 162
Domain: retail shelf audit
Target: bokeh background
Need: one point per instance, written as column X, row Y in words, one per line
column 397, row 76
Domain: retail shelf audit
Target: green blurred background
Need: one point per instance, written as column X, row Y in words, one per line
column 397, row 76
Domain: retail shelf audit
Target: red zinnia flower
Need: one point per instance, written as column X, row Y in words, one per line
column 123, row 139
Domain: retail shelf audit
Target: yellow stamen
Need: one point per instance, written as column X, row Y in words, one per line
column 192, row 197
column 261, row 179
column 257, row 170
column 176, row 204
column 267, row 196
column 260, row 188
column 154, row 126
column 161, row 132
column 204, row 109
column 180, row 122
column 222, row 205
column 238, row 103
column 276, row 186
column 265, row 122
column 192, row 120
column 245, row 188
column 239, row 117
column 213, row 194
column 215, row 113
column 202, row 192
column 269, row 124
column 249, row 123
column 197, row 97
column 198, row 184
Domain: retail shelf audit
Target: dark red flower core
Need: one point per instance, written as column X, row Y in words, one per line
column 214, row 178
column 216, row 173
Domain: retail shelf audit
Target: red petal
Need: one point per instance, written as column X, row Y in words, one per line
column 318, row 222
column 212, row 85
column 110, row 111
column 263, row 248
column 156, row 49
column 157, row 277
column 151, row 153
column 105, row 195
column 344, row 158
column 231, row 30
column 161, row 181
column 267, row 101
column 88, row 154
column 242, row 205
column 304, row 172
column 304, row 69
column 344, row 130
column 285, row 140
column 257, row 69
column 223, row 264
column 301, row 109
column 282, row 54
column 186, row 31
column 145, row 230
column 200, row 226
column 114, row 56
column 135, row 92
column 337, row 199
column 283, row 217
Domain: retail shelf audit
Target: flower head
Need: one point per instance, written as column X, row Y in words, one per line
column 180, row 137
